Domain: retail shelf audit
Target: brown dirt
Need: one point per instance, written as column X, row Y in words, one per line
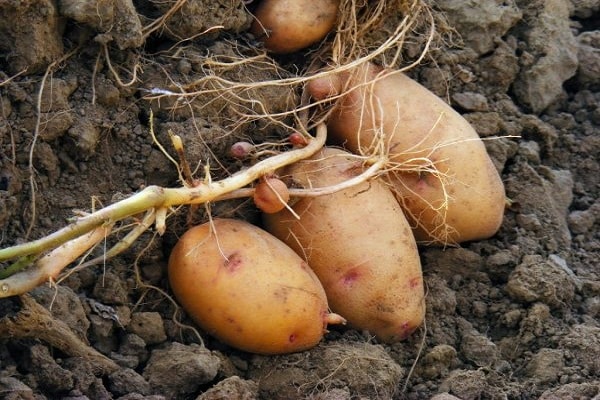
column 512, row 317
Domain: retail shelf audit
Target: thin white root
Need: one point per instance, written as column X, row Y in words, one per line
column 121, row 246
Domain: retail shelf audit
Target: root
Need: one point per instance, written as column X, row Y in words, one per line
column 160, row 22
column 35, row 321
column 36, row 134
column 72, row 241
column 413, row 366
column 248, row 99
column 115, row 74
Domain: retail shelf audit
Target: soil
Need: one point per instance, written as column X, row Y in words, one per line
column 516, row 316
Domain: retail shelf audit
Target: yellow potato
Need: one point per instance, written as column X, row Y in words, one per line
column 442, row 174
column 359, row 244
column 248, row 289
column 286, row 26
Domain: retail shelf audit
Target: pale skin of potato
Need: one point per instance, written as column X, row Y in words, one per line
column 359, row 244
column 248, row 289
column 286, row 26
column 465, row 199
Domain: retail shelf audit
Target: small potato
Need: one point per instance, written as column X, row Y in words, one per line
column 271, row 195
column 286, row 26
column 359, row 244
column 248, row 289
column 441, row 172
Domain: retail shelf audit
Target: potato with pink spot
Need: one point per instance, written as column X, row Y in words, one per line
column 359, row 244
column 248, row 289
column 439, row 167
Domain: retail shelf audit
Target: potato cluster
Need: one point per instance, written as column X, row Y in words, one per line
column 354, row 251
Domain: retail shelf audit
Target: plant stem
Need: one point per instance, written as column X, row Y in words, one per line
column 157, row 197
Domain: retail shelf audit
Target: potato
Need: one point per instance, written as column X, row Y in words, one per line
column 359, row 244
column 442, row 174
column 271, row 195
column 248, row 289
column 286, row 26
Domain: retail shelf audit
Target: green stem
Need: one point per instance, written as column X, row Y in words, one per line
column 17, row 266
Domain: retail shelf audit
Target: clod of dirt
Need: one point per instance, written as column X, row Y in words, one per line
column 110, row 289
column 13, row 389
column 582, row 221
column 83, row 372
column 550, row 56
column 444, row 396
column 149, row 326
column 465, row 384
column 64, row 305
column 201, row 17
column 541, row 132
column 438, row 361
column 30, row 35
column 481, row 22
column 588, row 74
column 546, row 194
column 363, row 369
column 545, row 366
column 583, row 345
column 573, row 391
column 86, row 135
column 177, row 369
column 118, row 19
column 440, row 298
column 540, row 280
column 132, row 351
column 500, row 69
column 486, row 123
column 37, row 361
column 475, row 347
column 333, row 394
column 8, row 206
column 584, row 8
column 98, row 14
column 449, row 262
column 127, row 381
column 234, row 388
column 10, row 185
column 471, row 101
column 500, row 264
column 55, row 94
column 102, row 332
column 535, row 323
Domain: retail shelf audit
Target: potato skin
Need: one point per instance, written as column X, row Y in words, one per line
column 271, row 195
column 286, row 26
column 359, row 244
column 417, row 124
column 263, row 298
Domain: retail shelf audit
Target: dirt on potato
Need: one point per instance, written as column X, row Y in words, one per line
column 512, row 317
